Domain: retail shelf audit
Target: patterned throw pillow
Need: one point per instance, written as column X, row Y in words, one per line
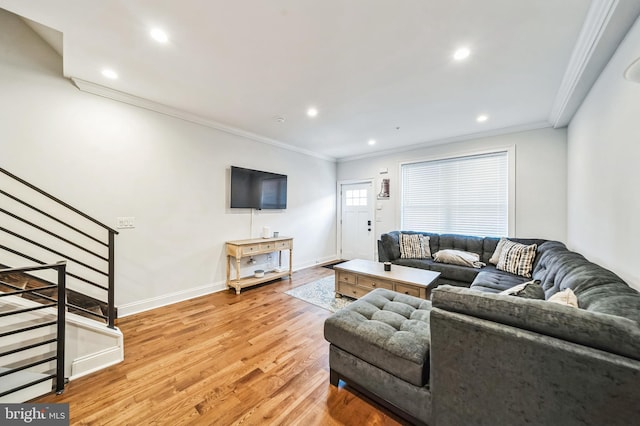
column 517, row 258
column 495, row 257
column 414, row 246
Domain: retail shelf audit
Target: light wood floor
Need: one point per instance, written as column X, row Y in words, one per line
column 257, row 358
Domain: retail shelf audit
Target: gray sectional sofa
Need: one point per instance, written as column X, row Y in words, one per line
column 472, row 356
column 462, row 276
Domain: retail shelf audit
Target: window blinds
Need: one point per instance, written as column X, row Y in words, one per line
column 463, row 195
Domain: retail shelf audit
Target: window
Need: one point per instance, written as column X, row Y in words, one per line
column 463, row 195
column 356, row 197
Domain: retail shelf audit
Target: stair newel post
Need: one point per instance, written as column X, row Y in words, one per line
column 61, row 325
column 111, row 292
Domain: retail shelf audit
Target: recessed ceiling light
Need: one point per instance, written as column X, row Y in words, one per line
column 482, row 118
column 372, row 142
column 109, row 73
column 312, row 112
column 159, row 35
column 461, row 54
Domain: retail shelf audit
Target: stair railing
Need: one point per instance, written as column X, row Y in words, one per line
column 59, row 340
column 36, row 226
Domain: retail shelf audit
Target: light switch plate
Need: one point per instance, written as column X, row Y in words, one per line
column 126, row 222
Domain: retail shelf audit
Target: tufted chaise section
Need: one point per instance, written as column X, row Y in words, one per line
column 388, row 330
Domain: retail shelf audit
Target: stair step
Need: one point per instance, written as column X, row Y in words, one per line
column 20, row 346
column 17, row 280
column 34, row 359
column 18, row 379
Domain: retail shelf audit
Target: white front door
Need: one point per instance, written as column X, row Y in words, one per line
column 356, row 221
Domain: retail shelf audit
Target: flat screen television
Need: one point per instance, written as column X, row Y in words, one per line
column 255, row 189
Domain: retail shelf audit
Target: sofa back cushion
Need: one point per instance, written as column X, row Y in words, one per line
column 597, row 288
column 461, row 242
column 483, row 246
column 597, row 330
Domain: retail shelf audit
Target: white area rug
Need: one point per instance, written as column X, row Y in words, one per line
column 321, row 293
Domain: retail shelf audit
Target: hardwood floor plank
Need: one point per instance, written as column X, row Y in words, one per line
column 253, row 359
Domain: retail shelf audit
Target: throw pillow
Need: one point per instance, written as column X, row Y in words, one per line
column 458, row 257
column 528, row 290
column 414, row 246
column 517, row 258
column 495, row 257
column 565, row 297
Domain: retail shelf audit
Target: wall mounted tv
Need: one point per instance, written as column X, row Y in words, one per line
column 255, row 189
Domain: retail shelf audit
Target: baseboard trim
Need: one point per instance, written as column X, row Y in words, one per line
column 180, row 296
column 317, row 262
column 169, row 299
column 91, row 363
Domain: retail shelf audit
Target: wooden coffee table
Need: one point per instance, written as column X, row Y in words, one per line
column 358, row 277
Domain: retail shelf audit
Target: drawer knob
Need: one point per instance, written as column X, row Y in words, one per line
column 373, row 284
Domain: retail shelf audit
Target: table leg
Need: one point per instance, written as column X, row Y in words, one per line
column 238, row 260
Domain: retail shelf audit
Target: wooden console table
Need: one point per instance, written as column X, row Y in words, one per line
column 246, row 248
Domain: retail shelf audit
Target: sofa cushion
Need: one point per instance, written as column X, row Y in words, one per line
column 601, row 331
column 495, row 281
column 388, row 330
column 461, row 242
column 447, row 271
column 596, row 288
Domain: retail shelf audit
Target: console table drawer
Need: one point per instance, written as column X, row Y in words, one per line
column 267, row 246
column 346, row 277
column 351, row 290
column 407, row 289
column 252, row 249
column 372, row 284
column 283, row 245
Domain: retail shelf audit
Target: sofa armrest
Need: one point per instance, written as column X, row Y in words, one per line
column 487, row 373
column 382, row 253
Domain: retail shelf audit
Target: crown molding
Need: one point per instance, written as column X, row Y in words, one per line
column 461, row 138
column 116, row 95
column 598, row 17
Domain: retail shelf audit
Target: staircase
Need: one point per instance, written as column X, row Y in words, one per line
column 43, row 232
column 79, row 303
column 33, row 338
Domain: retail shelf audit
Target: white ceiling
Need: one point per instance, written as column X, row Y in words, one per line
column 375, row 69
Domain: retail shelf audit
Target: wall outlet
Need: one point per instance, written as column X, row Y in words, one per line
column 126, row 222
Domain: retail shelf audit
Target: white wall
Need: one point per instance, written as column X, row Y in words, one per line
column 111, row 159
column 540, row 179
column 604, row 168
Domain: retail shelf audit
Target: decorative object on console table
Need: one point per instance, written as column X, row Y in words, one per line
column 240, row 249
